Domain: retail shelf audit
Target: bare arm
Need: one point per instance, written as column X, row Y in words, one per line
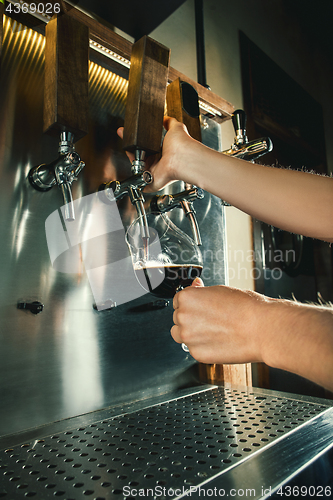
column 220, row 324
column 295, row 201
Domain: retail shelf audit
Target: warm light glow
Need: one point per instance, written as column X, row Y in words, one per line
column 107, row 89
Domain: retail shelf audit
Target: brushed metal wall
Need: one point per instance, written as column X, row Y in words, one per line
column 71, row 359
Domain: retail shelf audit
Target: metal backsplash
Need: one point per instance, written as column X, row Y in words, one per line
column 71, row 359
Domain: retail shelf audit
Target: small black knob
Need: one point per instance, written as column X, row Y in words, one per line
column 239, row 120
column 34, row 307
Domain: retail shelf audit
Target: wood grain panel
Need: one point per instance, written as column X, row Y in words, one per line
column 66, row 77
column 146, row 96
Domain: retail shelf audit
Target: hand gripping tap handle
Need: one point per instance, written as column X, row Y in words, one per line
column 182, row 104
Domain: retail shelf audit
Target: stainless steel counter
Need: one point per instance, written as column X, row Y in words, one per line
column 210, row 441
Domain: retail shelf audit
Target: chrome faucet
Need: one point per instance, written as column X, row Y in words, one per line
column 241, row 147
column 132, row 186
column 166, row 202
column 61, row 172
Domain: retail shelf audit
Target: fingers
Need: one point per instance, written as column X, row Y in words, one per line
column 185, row 305
column 171, row 123
column 120, row 132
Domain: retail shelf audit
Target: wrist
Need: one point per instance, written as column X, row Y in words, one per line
column 300, row 339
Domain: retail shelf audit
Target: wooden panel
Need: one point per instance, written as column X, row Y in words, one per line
column 226, row 374
column 66, row 77
column 222, row 108
column 176, row 107
column 106, row 37
column 146, row 96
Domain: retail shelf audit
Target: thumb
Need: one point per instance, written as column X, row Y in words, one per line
column 120, row 132
column 197, row 282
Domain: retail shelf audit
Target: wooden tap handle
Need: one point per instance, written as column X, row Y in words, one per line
column 146, row 96
column 183, row 104
column 66, row 76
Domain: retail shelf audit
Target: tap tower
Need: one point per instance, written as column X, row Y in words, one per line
column 143, row 125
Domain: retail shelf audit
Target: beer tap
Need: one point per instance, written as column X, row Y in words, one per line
column 65, row 104
column 132, row 187
column 241, row 147
column 182, row 104
column 143, row 121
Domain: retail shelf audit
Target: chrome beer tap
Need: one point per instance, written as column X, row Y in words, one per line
column 166, row 202
column 132, row 187
column 241, row 147
column 61, row 172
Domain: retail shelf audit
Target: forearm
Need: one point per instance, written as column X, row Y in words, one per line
column 299, row 339
column 295, row 201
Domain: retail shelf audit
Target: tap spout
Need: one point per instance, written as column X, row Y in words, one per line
column 65, row 188
column 189, row 211
column 137, row 200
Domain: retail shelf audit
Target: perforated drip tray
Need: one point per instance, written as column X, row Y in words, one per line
column 162, row 449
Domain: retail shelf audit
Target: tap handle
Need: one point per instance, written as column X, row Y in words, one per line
column 146, row 96
column 239, row 119
column 239, row 123
column 66, row 76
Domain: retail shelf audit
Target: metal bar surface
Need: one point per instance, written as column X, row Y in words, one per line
column 222, row 437
column 271, row 468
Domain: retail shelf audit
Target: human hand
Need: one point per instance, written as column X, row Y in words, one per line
column 220, row 324
column 177, row 150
